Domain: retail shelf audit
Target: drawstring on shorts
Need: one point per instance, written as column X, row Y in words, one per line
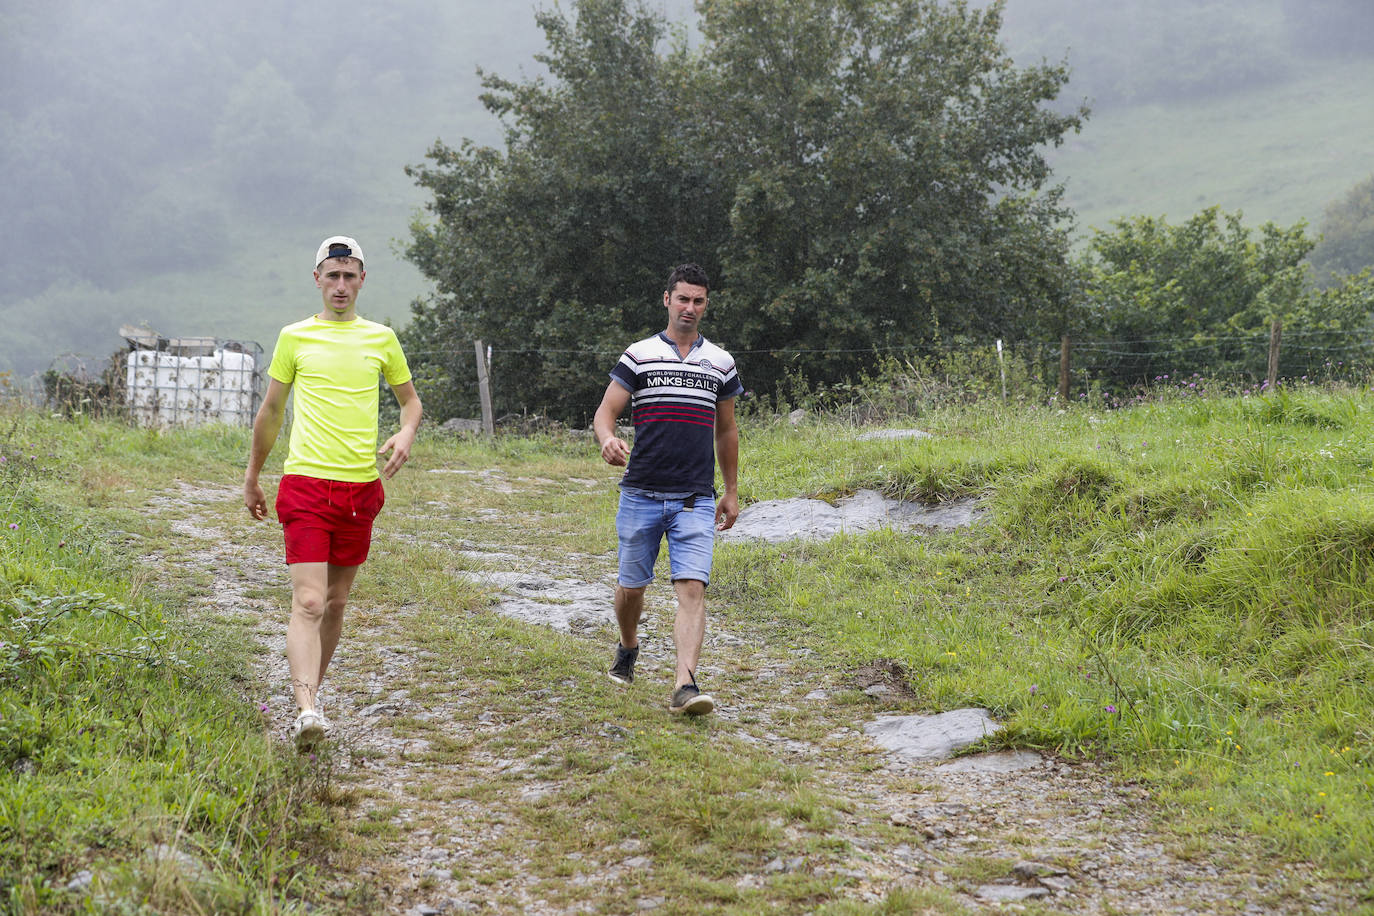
column 329, row 498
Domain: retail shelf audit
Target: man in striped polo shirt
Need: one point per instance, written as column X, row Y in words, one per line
column 681, row 390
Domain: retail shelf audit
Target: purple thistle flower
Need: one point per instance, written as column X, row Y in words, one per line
column 1110, row 708
column 1034, row 689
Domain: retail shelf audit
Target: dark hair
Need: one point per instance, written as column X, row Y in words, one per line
column 691, row 274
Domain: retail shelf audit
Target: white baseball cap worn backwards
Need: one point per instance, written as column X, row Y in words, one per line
column 339, row 246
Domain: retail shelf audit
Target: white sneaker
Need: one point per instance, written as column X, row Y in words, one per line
column 309, row 729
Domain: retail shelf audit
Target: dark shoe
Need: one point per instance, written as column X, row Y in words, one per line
column 689, row 700
column 623, row 671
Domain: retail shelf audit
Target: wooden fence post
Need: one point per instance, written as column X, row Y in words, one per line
column 1064, row 347
column 1002, row 367
column 1275, row 332
column 484, row 389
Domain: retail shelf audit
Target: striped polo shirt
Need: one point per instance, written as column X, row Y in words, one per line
column 673, row 405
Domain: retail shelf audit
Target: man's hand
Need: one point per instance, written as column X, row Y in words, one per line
column 615, row 451
column 399, row 446
column 266, row 425
column 727, row 510
column 255, row 499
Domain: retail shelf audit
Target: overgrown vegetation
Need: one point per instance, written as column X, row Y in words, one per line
column 129, row 762
column 1184, row 584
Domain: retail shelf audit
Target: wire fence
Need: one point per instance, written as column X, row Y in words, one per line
column 1153, row 346
column 1235, row 355
column 565, row 383
column 162, row 388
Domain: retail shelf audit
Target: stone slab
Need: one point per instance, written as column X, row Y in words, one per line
column 931, row 737
column 780, row 520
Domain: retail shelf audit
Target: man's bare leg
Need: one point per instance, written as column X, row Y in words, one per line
column 629, row 608
column 689, row 629
column 331, row 628
column 318, row 594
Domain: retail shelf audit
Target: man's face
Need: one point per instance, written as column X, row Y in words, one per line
column 686, row 306
column 339, row 280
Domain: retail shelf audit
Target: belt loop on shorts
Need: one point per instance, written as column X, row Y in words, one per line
column 690, row 502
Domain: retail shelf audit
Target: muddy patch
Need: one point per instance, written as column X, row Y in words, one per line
column 884, row 679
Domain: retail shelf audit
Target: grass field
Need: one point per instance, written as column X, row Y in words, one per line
column 1180, row 591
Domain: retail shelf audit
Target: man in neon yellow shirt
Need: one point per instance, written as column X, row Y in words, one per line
column 330, row 490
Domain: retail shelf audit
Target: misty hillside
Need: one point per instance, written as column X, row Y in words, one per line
column 166, row 172
column 1261, row 107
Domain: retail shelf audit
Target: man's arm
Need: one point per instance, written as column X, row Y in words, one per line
column 727, row 453
column 266, row 426
column 399, row 444
column 614, row 450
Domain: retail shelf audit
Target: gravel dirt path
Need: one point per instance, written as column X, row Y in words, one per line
column 1011, row 830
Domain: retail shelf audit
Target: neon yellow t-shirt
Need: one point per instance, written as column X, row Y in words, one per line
column 333, row 368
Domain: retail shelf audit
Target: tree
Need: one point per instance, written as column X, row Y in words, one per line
column 1197, row 297
column 554, row 250
column 889, row 183
column 1347, row 242
column 855, row 174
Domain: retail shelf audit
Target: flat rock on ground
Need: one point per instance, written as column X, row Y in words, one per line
column 782, row 520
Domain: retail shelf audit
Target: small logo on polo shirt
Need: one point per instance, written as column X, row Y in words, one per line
column 706, row 364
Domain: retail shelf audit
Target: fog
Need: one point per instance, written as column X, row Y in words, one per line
column 176, row 163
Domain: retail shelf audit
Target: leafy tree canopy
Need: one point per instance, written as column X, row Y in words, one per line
column 855, row 175
column 1196, row 297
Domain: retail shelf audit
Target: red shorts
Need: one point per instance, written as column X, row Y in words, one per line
column 327, row 521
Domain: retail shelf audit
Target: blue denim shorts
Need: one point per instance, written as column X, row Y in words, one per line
column 641, row 522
